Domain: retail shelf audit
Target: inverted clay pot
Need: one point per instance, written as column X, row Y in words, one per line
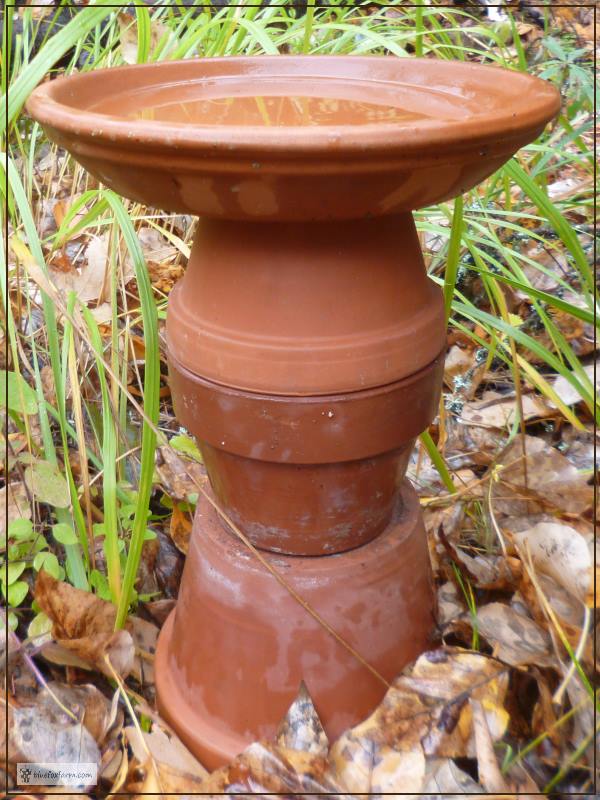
column 282, row 308
column 231, row 656
column 305, row 349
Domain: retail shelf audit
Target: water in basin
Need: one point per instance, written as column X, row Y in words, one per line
column 203, row 104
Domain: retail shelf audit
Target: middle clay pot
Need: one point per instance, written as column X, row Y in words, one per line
column 307, row 475
column 306, row 361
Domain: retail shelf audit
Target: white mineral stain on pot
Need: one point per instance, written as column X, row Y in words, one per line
column 222, row 587
column 257, row 198
column 226, row 404
column 195, row 187
column 257, row 450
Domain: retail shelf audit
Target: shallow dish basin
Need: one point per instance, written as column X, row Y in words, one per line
column 294, row 137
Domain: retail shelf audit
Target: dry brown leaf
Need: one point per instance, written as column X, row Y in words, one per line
column 487, row 765
column 264, row 767
column 561, row 552
column 145, row 636
column 90, row 280
column 180, row 477
column 301, row 728
column 102, row 313
column 493, row 780
column 445, row 779
column 425, row 714
column 164, row 275
column 164, row 781
column 14, row 504
column 457, row 362
column 142, row 669
column 552, row 481
column 500, row 411
column 85, row 702
column 129, row 36
column 83, row 625
column 43, row 732
column 516, row 639
column 544, row 713
column 396, row 770
column 450, row 603
column 567, row 608
column 165, row 749
column 567, row 393
column 180, row 529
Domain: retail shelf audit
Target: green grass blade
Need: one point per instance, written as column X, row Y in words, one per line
column 75, row 565
column 438, row 461
column 456, row 232
column 109, row 458
column 151, row 403
column 553, row 215
column 54, row 49
column 143, row 34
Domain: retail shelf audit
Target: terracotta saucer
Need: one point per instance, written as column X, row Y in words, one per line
column 294, row 137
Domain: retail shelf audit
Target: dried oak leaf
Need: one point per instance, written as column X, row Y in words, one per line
column 450, row 603
column 561, row 552
column 301, row 728
column 490, row 775
column 163, row 761
column 500, row 411
column 445, row 779
column 83, row 625
column 180, row 477
column 45, row 732
column 265, row 767
column 552, row 481
column 425, row 714
column 163, row 781
column 516, row 639
column 85, row 702
column 164, row 748
column 180, row 529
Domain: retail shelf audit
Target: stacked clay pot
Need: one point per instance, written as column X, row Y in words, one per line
column 305, row 366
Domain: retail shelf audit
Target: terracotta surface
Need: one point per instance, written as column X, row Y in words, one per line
column 232, row 655
column 307, row 475
column 305, row 357
column 454, row 123
column 277, row 308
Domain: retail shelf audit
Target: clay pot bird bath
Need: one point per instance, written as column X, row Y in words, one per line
column 305, row 347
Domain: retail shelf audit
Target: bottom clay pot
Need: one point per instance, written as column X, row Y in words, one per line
column 232, row 654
